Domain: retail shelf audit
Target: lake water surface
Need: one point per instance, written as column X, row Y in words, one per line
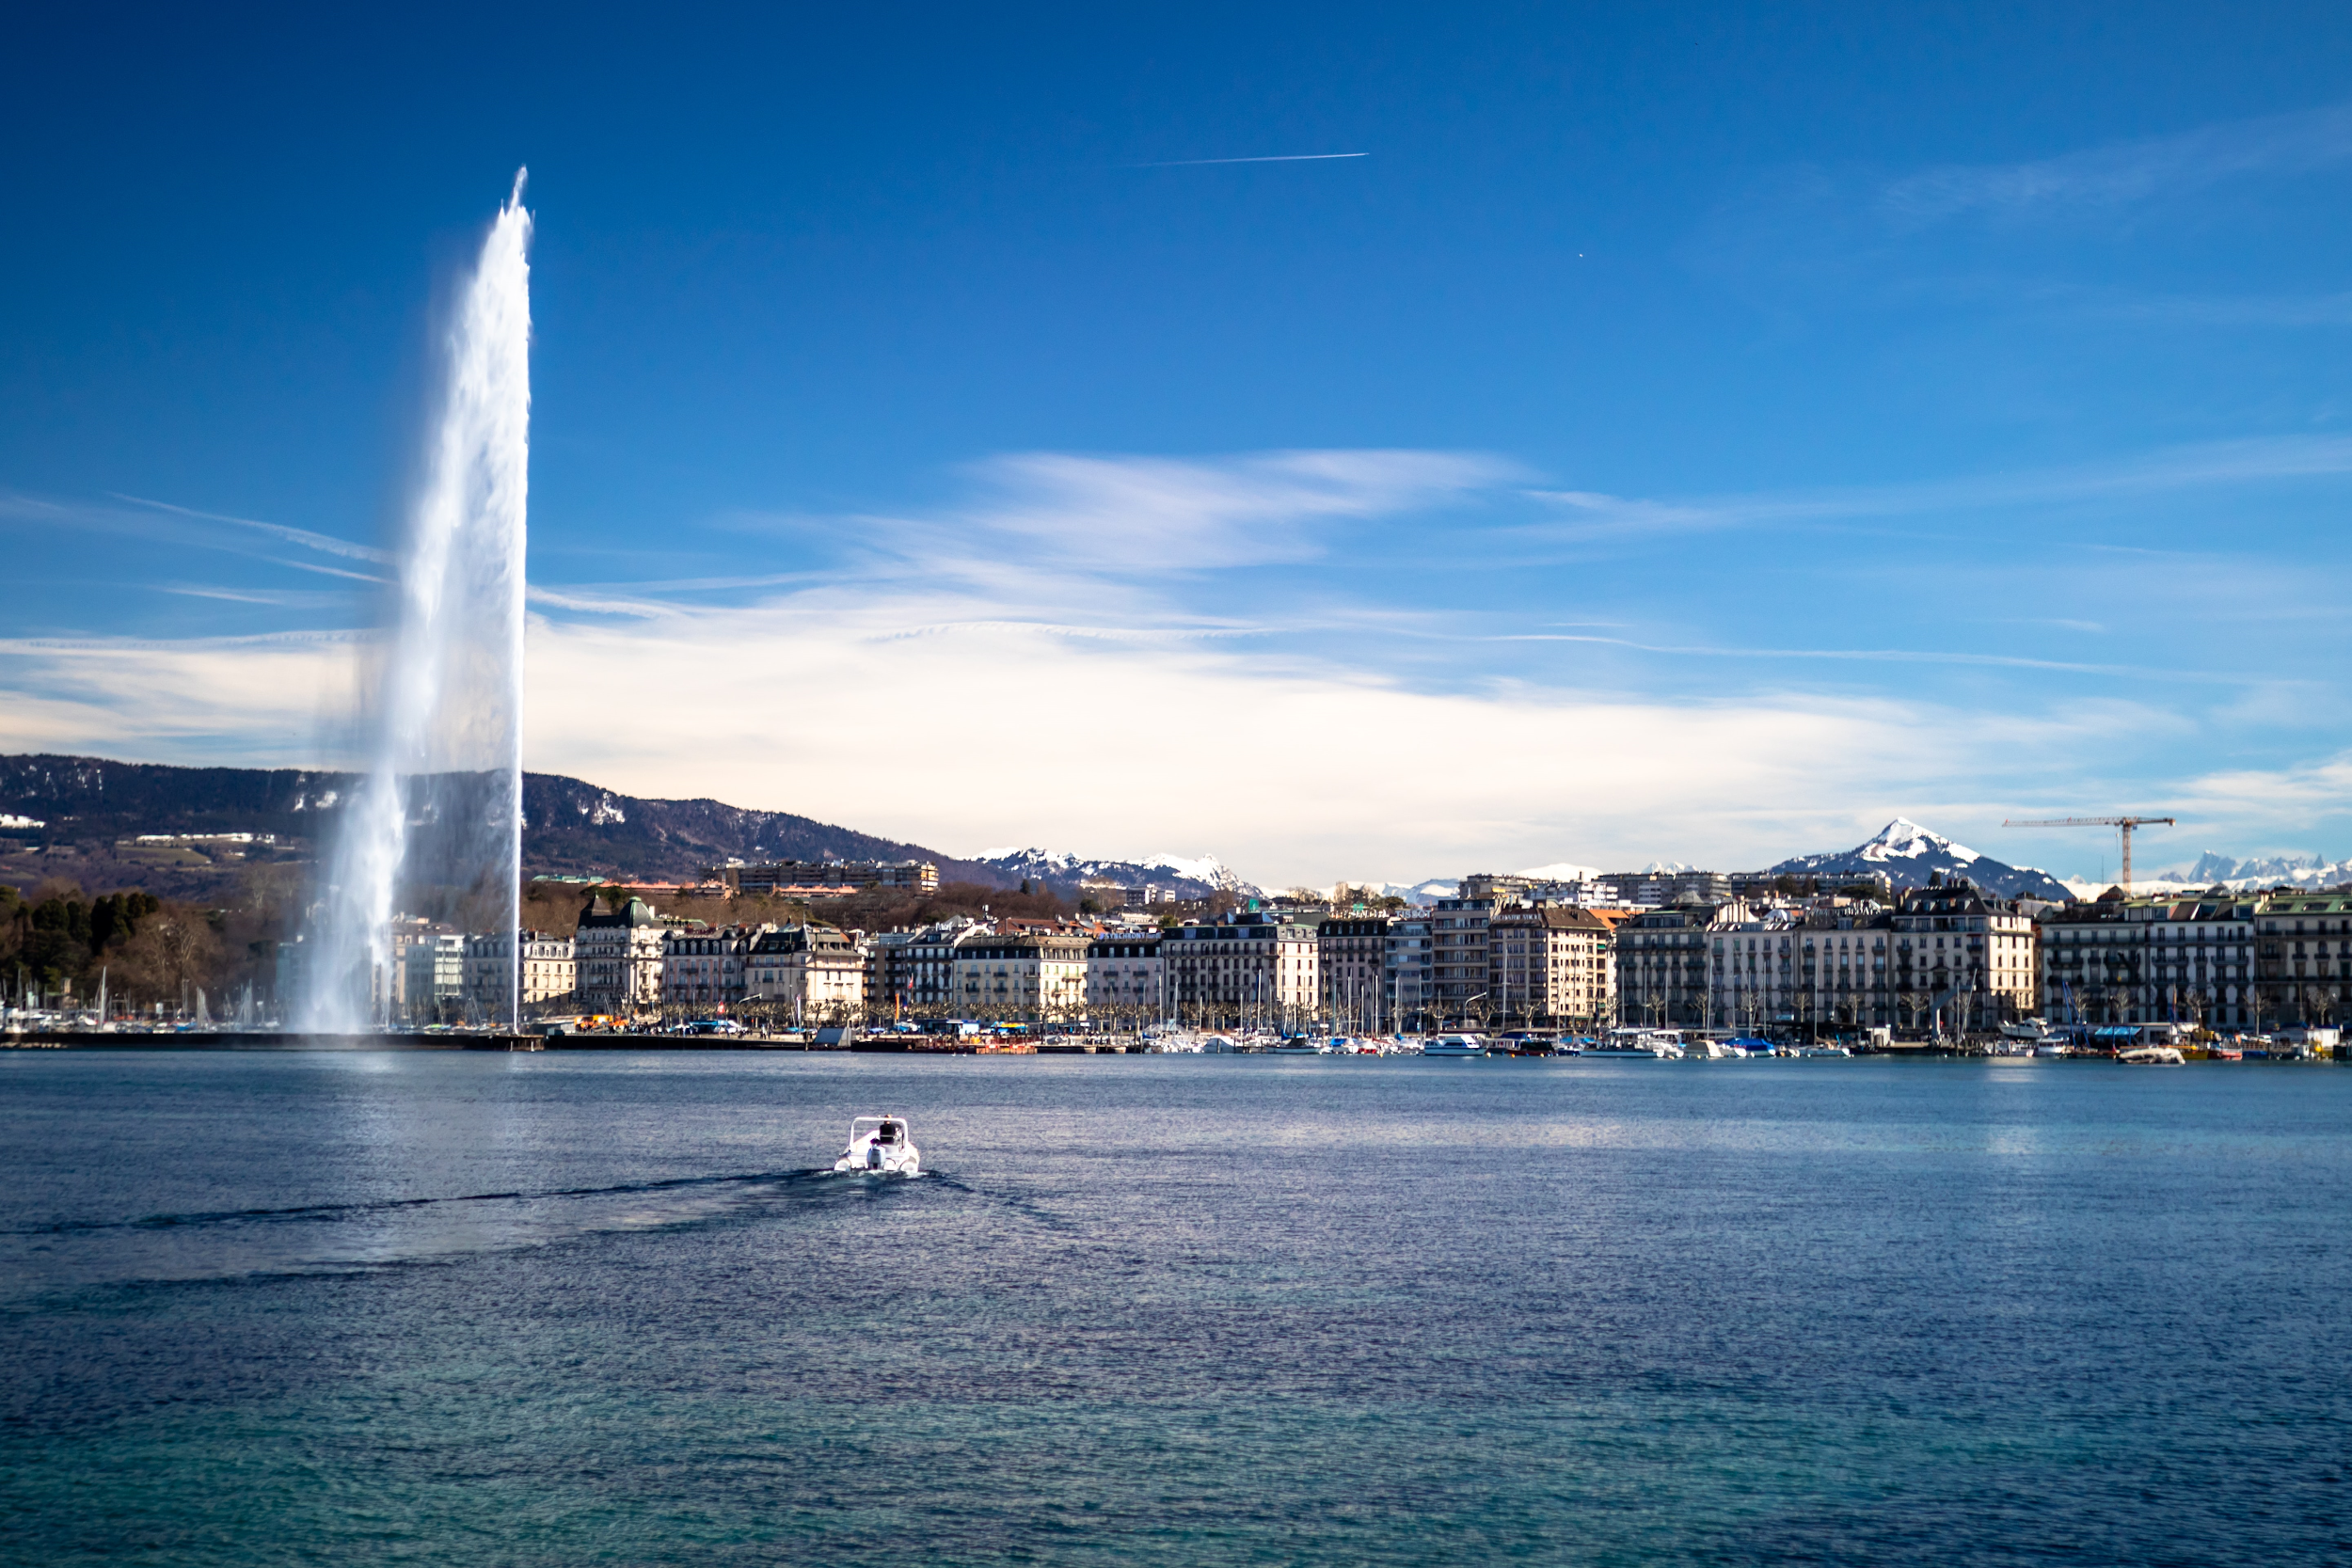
column 598, row 1307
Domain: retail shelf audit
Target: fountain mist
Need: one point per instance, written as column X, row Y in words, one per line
column 436, row 828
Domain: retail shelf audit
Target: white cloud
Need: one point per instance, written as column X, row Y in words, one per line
column 1028, row 668
column 259, row 700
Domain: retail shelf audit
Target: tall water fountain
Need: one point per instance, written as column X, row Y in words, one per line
column 436, row 828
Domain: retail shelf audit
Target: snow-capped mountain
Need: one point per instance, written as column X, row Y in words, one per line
column 1186, row 876
column 2214, row 870
column 1413, row 893
column 1907, row 853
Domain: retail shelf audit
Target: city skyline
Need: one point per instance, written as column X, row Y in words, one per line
column 1839, row 421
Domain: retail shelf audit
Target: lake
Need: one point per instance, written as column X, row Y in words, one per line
column 592, row 1306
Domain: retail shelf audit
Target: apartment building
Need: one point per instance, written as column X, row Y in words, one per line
column 1754, row 969
column 1662, row 967
column 1352, row 966
column 1028, row 976
column 1240, row 970
column 2302, row 957
column 1125, row 978
column 433, row 982
column 774, row 876
column 617, row 958
column 1457, row 958
column 813, row 971
column 1549, row 966
column 546, row 968
column 1411, row 978
column 1970, row 955
column 703, row 968
column 2220, row 959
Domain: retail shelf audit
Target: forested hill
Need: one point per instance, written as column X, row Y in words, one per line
column 87, row 807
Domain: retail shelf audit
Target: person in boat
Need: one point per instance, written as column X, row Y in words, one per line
column 888, row 1132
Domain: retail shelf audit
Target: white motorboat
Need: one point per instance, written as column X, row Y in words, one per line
column 1823, row 1051
column 879, row 1146
column 2151, row 1055
column 1455, row 1045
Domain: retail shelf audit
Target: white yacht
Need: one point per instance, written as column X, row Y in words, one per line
column 1650, row 1044
column 879, row 1145
column 1455, row 1045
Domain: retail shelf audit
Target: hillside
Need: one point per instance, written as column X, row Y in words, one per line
column 1181, row 877
column 81, row 810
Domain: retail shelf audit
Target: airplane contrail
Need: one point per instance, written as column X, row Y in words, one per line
column 1278, row 158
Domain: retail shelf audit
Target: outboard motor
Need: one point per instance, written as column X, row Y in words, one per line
column 873, row 1157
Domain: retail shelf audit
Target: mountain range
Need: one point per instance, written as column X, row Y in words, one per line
column 76, row 817
column 2213, row 870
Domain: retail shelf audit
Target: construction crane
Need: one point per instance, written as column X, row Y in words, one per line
column 2125, row 823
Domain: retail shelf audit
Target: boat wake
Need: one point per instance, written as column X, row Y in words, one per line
column 376, row 1234
column 314, row 1211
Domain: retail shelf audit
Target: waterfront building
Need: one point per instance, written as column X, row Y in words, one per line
column 617, row 958
column 2220, row 959
column 1352, row 965
column 1125, row 978
column 1547, row 966
column 1967, row 955
column 1241, row 970
column 814, row 971
column 776, row 877
column 923, row 977
column 2303, row 957
column 1662, row 969
column 433, row 988
column 886, row 971
column 548, row 971
column 1848, row 968
column 702, row 969
column 1035, row 974
column 1753, row 967
column 1457, row 958
column 1411, row 972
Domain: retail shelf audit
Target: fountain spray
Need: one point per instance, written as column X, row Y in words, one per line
column 436, row 827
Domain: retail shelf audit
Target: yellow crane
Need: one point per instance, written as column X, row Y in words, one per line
column 2124, row 823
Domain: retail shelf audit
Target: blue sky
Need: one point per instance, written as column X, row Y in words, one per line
column 1697, row 434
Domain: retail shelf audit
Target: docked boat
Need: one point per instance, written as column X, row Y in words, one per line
column 1823, row 1051
column 2151, row 1055
column 1455, row 1045
column 879, row 1146
column 1649, row 1044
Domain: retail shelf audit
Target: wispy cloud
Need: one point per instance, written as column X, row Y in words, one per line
column 1132, row 514
column 323, row 542
column 2254, row 461
column 2108, row 179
